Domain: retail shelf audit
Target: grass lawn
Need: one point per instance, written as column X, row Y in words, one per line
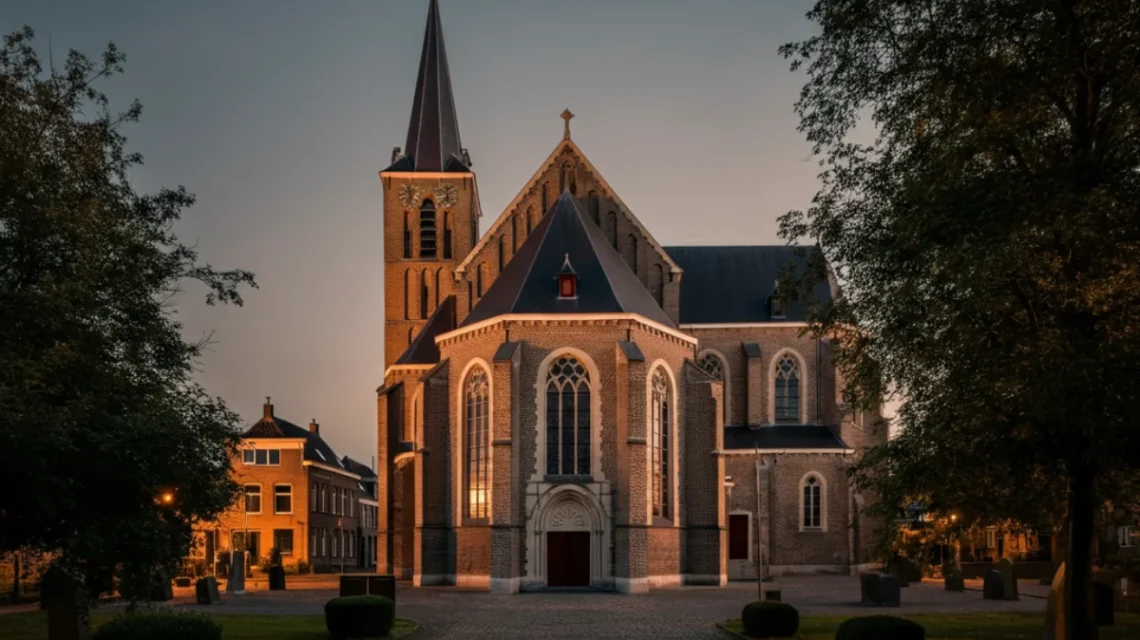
column 962, row 626
column 33, row 626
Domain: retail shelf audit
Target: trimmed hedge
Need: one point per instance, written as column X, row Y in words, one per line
column 149, row 625
column 880, row 628
column 359, row 617
column 770, row 619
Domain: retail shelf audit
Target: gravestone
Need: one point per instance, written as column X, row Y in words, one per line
column 236, row 581
column 59, row 594
column 382, row 586
column 353, row 586
column 277, row 578
column 954, row 580
column 206, row 591
column 772, row 595
column 897, row 568
column 889, row 594
column 869, row 591
column 993, row 587
column 913, row 570
column 1008, row 579
column 1103, row 604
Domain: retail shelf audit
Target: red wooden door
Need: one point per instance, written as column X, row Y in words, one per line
column 568, row 558
column 738, row 537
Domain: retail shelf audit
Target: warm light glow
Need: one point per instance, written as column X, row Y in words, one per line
column 167, row 497
column 953, row 517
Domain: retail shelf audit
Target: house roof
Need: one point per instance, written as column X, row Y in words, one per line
column 423, row 349
column 433, row 132
column 528, row 283
column 782, row 437
column 271, row 426
column 359, row 468
column 733, row 284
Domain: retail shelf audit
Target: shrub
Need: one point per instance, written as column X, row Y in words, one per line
column 148, row 625
column 359, row 617
column 770, row 620
column 880, row 628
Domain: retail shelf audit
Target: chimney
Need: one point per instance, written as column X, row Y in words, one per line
column 314, row 428
column 267, row 410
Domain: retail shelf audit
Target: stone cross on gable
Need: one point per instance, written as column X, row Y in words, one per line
column 566, row 115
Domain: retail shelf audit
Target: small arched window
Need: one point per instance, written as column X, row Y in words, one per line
column 424, row 293
column 567, row 418
column 787, row 389
column 427, row 230
column 502, row 252
column 611, row 220
column 812, row 503
column 437, row 279
column 479, row 281
column 408, row 294
column 592, row 202
column 477, row 439
column 631, row 251
column 407, row 236
column 514, row 234
column 657, row 284
column 529, row 219
column 446, row 235
column 545, row 202
column 659, row 418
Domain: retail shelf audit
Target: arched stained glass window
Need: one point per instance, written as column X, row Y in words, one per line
column 477, row 439
column 812, row 506
column 659, row 418
column 567, row 418
column 787, row 389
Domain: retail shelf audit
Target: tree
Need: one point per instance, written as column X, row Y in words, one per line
column 108, row 449
column 986, row 238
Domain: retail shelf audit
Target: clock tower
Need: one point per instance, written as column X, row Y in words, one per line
column 431, row 204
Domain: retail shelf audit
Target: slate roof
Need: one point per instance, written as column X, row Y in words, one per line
column 782, row 437
column 528, row 283
column 733, row 284
column 359, row 468
column 433, row 132
column 316, row 449
column 423, row 349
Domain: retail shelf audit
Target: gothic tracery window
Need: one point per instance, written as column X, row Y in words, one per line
column 659, row 443
column 477, row 439
column 787, row 389
column 715, row 367
column 812, row 503
column 567, row 418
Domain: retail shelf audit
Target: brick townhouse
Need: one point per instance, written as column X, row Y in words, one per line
column 366, row 530
column 567, row 402
column 297, row 496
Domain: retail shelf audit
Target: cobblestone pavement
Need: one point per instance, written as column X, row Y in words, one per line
column 685, row 612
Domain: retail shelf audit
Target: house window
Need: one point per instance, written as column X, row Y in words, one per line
column 592, row 205
column 343, row 502
column 314, row 550
column 324, row 542
column 787, row 390
column 812, row 503
column 261, row 457
column 477, row 433
column 407, row 236
column 990, row 538
column 659, row 443
column 1124, row 536
column 427, row 230
column 324, row 498
column 447, row 235
column 283, row 498
column 315, row 498
column 283, row 540
column 567, row 418
column 252, row 498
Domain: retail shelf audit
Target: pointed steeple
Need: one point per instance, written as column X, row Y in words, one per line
column 433, row 133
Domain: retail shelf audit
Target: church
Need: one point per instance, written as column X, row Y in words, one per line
column 567, row 403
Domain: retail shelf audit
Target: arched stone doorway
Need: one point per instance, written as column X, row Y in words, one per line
column 569, row 540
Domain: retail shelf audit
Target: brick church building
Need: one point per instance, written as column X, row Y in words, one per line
column 568, row 403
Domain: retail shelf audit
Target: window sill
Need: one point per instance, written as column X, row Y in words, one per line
column 568, row 479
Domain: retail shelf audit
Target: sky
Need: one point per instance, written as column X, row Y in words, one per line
column 278, row 115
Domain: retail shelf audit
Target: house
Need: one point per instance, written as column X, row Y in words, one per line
column 366, row 529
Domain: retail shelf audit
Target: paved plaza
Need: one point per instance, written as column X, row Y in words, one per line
column 684, row 612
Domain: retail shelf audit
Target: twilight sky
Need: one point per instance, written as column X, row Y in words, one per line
column 278, row 114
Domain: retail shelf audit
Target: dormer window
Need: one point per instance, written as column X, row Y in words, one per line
column 775, row 309
column 567, row 281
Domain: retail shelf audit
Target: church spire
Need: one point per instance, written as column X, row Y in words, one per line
column 433, row 133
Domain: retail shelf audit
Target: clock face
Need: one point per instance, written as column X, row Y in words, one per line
column 446, row 195
column 410, row 195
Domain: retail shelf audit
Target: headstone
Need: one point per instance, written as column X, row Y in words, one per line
column 182, row 582
column 1055, row 610
column 772, row 595
column 897, row 568
column 869, row 589
column 206, row 591
column 889, row 593
column 277, row 578
column 1103, row 604
column 382, row 586
column 236, row 582
column 1008, row 579
column 59, row 595
column 993, row 587
column 954, row 580
column 913, row 570
column 353, row 586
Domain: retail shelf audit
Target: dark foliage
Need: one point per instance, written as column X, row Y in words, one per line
column 880, row 628
column 770, row 619
column 151, row 625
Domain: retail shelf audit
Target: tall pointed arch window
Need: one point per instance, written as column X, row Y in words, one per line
column 592, row 205
column 502, row 252
column 427, row 230
column 611, row 220
column 712, row 364
column 446, row 235
column 529, row 219
column 407, row 236
column 787, row 389
column 514, row 234
column 567, row 418
column 545, row 202
column 631, row 251
column 408, row 294
column 479, row 281
column 811, row 504
column 659, row 420
column 437, row 279
column 477, row 435
column 424, row 293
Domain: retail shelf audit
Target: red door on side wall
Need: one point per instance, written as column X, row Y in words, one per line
column 568, row 559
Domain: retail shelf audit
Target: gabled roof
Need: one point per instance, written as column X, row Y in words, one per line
column 528, row 283
column 271, row 426
column 423, row 349
column 782, row 437
column 733, row 284
column 359, row 468
column 433, row 132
